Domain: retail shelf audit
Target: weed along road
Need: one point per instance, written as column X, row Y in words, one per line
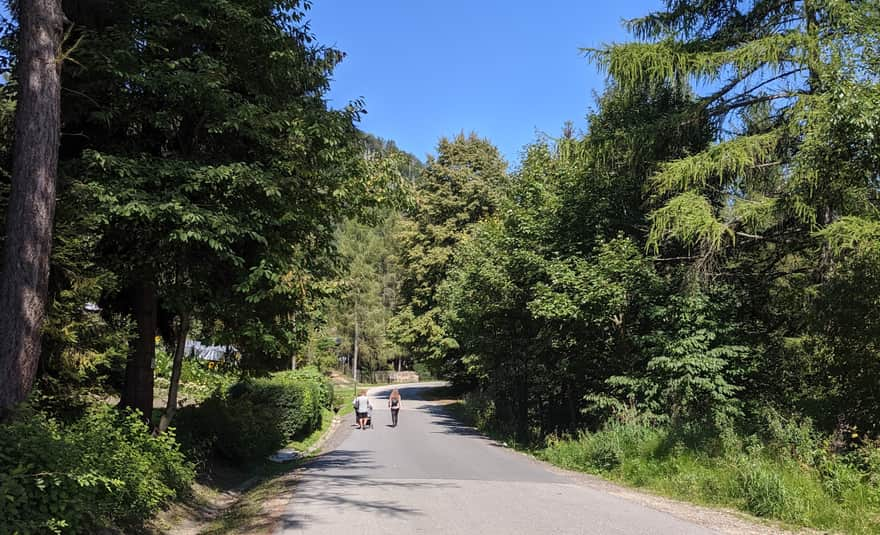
column 432, row 475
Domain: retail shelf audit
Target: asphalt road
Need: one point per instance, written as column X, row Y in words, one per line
column 431, row 475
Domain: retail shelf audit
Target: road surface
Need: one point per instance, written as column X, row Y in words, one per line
column 431, row 475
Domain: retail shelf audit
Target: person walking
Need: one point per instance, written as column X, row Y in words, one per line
column 362, row 407
column 395, row 403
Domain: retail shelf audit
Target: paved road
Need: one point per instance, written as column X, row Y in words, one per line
column 430, row 475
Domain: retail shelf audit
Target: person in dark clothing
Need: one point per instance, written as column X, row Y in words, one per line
column 395, row 403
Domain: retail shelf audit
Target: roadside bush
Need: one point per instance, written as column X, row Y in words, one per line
column 479, row 408
column 790, row 438
column 256, row 416
column 105, row 469
column 238, row 430
column 313, row 375
column 295, row 400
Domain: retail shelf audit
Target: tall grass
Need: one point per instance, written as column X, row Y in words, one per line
column 785, row 473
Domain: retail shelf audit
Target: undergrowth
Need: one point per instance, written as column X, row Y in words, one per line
column 786, row 473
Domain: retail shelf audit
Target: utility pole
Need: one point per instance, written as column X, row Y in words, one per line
column 354, row 367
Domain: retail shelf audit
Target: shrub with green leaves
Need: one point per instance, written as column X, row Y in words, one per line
column 104, row 469
column 313, row 375
column 256, row 416
column 296, row 400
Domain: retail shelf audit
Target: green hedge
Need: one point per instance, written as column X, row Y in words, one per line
column 104, row 469
column 257, row 416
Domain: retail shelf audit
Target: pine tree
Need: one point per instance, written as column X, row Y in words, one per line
column 790, row 87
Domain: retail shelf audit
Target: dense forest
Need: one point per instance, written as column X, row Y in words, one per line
column 708, row 248
column 698, row 270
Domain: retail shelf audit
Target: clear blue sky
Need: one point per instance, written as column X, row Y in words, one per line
column 504, row 69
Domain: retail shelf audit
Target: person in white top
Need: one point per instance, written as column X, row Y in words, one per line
column 362, row 407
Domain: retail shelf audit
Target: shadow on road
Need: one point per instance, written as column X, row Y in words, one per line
column 331, row 481
column 450, row 424
column 345, row 479
column 413, row 397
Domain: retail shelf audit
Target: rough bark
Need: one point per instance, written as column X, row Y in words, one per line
column 138, row 390
column 25, row 278
column 177, row 366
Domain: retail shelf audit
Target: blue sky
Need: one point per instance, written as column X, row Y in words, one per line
column 507, row 70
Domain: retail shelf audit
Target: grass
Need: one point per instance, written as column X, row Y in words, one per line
column 790, row 476
column 833, row 495
column 305, row 443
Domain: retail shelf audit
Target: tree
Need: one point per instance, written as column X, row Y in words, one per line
column 463, row 185
column 547, row 300
column 788, row 185
column 366, row 294
column 216, row 168
column 31, row 208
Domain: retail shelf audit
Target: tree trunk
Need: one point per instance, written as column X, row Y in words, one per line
column 25, row 279
column 138, row 390
column 179, row 353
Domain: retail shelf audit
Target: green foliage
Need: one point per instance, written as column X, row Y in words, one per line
column 760, row 475
column 783, row 205
column 688, row 217
column 545, row 302
column 297, row 399
column 256, row 416
column 238, row 430
column 310, row 374
column 209, row 163
column 692, row 360
column 198, row 378
column 463, row 185
column 366, row 294
column 104, row 469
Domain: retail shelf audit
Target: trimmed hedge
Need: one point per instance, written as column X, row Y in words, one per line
column 258, row 416
column 104, row 469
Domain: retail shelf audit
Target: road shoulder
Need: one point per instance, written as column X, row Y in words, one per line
column 727, row 521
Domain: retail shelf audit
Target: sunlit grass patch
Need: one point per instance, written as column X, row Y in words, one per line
column 832, row 495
